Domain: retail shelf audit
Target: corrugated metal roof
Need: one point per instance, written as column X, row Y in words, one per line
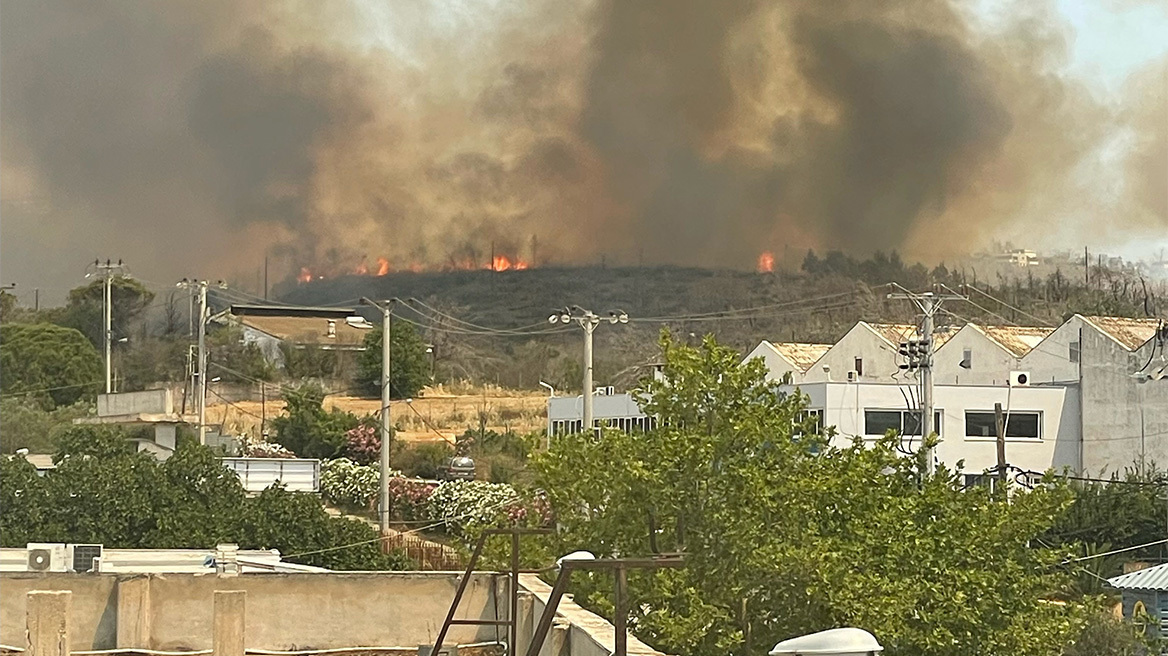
column 1018, row 340
column 1131, row 333
column 800, row 354
column 1152, row 578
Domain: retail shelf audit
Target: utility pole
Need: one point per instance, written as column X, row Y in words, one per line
column 1000, row 432
column 106, row 271
column 200, row 287
column 922, row 359
column 588, row 321
column 386, row 436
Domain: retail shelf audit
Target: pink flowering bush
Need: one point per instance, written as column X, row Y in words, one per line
column 363, row 444
column 408, row 498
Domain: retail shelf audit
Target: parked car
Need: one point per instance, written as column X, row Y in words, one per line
column 458, row 468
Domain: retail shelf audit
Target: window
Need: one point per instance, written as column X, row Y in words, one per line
column 1074, row 352
column 859, row 366
column 905, row 422
column 967, row 359
column 1019, row 425
column 813, row 415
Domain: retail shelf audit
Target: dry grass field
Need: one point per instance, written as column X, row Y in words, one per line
column 443, row 411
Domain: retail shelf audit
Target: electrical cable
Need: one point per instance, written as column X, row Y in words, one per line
column 1001, row 302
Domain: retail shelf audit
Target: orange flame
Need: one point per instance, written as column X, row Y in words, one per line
column 766, row 262
column 382, row 266
column 305, row 275
column 520, row 265
column 362, row 268
column 501, row 263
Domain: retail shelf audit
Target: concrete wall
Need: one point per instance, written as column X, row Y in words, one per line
column 879, row 358
column 94, row 620
column 990, row 364
column 284, row 611
column 1124, row 420
column 150, row 402
column 844, row 405
column 303, row 611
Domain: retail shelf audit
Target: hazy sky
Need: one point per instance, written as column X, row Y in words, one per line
column 1112, row 43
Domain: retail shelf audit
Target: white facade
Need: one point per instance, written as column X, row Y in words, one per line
column 787, row 358
column 984, row 355
column 868, row 349
column 565, row 413
column 1124, row 419
column 1047, row 416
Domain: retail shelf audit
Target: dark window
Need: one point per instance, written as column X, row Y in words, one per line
column 859, row 366
column 905, row 422
column 967, row 359
column 1075, row 352
column 1023, row 425
column 879, row 422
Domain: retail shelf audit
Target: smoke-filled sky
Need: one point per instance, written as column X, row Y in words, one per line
column 194, row 138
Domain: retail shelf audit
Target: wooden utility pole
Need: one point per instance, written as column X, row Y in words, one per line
column 1000, row 429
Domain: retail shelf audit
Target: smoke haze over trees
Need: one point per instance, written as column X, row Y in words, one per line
column 206, row 135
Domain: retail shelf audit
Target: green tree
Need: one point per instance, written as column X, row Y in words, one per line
column 7, row 304
column 52, row 364
column 409, row 370
column 84, row 307
column 25, row 424
column 307, row 429
column 1125, row 512
column 785, row 535
column 104, row 491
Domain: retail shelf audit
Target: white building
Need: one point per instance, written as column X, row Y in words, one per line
column 1042, row 427
column 985, row 355
column 1125, row 416
column 783, row 358
column 867, row 353
column 621, row 411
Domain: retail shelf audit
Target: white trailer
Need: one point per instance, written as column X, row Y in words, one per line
column 257, row 474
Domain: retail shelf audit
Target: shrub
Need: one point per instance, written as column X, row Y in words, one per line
column 363, row 444
column 463, row 506
column 346, row 484
column 422, row 460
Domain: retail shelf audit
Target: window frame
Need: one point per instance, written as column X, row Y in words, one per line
column 1040, row 425
column 938, row 421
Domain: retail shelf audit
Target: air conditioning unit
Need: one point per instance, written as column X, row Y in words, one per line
column 47, row 557
column 81, row 556
column 1019, row 379
column 853, row 376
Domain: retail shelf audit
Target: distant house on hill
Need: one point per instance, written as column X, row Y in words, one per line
column 274, row 328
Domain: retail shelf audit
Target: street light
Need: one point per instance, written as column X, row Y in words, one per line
column 847, row 641
column 588, row 321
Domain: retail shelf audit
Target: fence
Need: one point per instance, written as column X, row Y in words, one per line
column 425, row 554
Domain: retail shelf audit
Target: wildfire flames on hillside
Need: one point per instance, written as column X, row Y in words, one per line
column 382, row 266
column 687, row 132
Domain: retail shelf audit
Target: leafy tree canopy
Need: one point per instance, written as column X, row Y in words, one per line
column 55, row 365
column 103, row 491
column 785, row 535
column 409, row 367
column 307, row 429
column 84, row 307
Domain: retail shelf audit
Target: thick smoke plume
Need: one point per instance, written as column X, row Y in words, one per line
column 198, row 135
